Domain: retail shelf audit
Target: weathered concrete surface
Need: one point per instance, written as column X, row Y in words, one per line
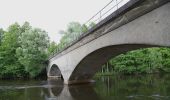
column 129, row 31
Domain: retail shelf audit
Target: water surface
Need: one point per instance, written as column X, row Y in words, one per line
column 145, row 87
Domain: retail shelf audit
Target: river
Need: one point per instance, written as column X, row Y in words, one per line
column 141, row 87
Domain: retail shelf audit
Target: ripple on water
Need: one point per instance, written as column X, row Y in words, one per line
column 24, row 87
column 158, row 96
column 154, row 96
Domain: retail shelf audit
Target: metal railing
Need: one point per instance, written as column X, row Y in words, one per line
column 111, row 7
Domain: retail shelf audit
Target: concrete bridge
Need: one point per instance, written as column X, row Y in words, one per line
column 137, row 24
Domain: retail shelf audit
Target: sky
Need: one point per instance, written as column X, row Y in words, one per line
column 49, row 15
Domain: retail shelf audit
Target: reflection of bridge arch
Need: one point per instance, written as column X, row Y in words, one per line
column 57, row 91
column 140, row 26
column 82, row 92
column 54, row 89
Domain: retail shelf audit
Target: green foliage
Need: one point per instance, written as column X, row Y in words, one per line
column 151, row 60
column 9, row 62
column 22, row 52
column 1, row 35
column 52, row 48
column 84, row 28
column 74, row 29
column 73, row 32
column 32, row 50
column 92, row 24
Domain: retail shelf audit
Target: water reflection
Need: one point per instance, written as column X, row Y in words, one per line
column 55, row 91
column 149, row 87
column 83, row 92
column 45, row 90
column 73, row 92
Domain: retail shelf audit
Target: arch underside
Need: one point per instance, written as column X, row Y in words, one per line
column 55, row 72
column 90, row 64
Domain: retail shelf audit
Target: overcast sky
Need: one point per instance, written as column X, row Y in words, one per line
column 50, row 15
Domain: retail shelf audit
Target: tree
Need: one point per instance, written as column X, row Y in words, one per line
column 23, row 51
column 52, row 48
column 84, row 28
column 73, row 32
column 26, row 26
column 92, row 24
column 9, row 66
column 74, row 27
column 1, row 35
column 33, row 50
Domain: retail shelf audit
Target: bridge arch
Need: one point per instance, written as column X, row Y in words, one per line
column 80, row 61
column 54, row 72
column 91, row 63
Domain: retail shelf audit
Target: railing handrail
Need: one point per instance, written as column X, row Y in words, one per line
column 99, row 11
column 117, row 3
